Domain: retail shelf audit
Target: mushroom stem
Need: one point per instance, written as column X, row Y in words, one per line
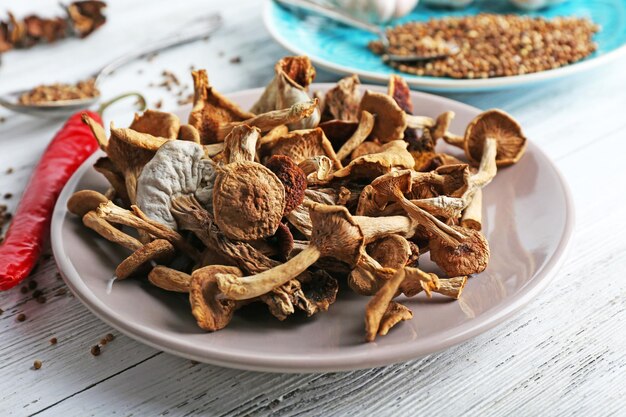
column 432, row 224
column 245, row 288
column 136, row 219
column 454, row 140
column 267, row 121
column 419, row 122
column 110, row 233
column 417, row 281
column 486, row 171
column 169, row 279
column 241, row 143
column 382, row 226
column 472, row 216
column 366, row 124
column 377, row 306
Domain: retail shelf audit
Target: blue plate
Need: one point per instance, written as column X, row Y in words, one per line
column 344, row 50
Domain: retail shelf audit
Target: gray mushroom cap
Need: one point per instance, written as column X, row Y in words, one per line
column 178, row 168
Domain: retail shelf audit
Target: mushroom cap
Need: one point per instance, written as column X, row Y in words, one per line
column 338, row 131
column 342, row 101
column 500, row 126
column 299, row 69
column 393, row 155
column 394, row 314
column 399, row 90
column 470, row 257
column 320, row 290
column 189, row 133
column 392, row 251
column 84, row 201
column 292, row 177
column 390, row 118
column 157, row 251
column 336, row 233
column 211, row 109
column 366, row 148
column 157, row 123
column 178, row 168
column 211, row 312
column 303, row 144
column 248, row 201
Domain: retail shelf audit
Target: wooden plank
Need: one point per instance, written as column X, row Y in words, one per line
column 564, row 355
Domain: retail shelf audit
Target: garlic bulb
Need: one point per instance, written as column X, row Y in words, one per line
column 378, row 11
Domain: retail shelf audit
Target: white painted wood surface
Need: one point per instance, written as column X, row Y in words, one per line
column 565, row 354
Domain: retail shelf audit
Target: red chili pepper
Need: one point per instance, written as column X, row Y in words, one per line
column 22, row 246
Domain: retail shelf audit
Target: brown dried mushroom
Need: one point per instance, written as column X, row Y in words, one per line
column 336, row 234
column 239, row 207
column 212, row 312
column 211, row 110
column 492, row 124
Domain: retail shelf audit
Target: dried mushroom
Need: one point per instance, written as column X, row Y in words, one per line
column 492, row 124
column 156, row 251
column 211, row 311
column 289, row 87
column 392, row 156
column 177, row 168
column 238, row 207
column 468, row 257
column 82, row 202
column 336, row 234
column 169, row 279
column 157, row 123
column 293, row 178
column 211, row 110
column 342, row 101
column 248, row 198
column 300, row 145
column 391, row 251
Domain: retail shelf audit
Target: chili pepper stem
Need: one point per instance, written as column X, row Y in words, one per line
column 141, row 101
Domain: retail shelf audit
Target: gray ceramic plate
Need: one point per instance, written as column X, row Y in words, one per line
column 529, row 218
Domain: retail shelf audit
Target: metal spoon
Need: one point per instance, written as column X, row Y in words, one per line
column 341, row 16
column 194, row 30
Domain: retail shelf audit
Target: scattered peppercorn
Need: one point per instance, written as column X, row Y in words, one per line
column 158, row 104
column 235, row 60
column 32, row 284
column 95, row 350
column 8, row 196
column 491, row 45
column 103, row 342
column 53, row 341
column 3, row 119
column 42, row 299
column 37, row 364
column 109, row 337
column 24, row 289
column 21, row 317
column 1, row 311
column 37, row 293
column 10, row 171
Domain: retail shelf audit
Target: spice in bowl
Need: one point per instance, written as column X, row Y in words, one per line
column 491, row 45
column 43, row 94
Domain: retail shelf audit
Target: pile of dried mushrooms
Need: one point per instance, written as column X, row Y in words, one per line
column 281, row 203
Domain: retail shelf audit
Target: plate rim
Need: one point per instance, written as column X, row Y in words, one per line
column 441, row 83
column 307, row 363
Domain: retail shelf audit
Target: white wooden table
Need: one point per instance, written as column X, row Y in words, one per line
column 565, row 354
